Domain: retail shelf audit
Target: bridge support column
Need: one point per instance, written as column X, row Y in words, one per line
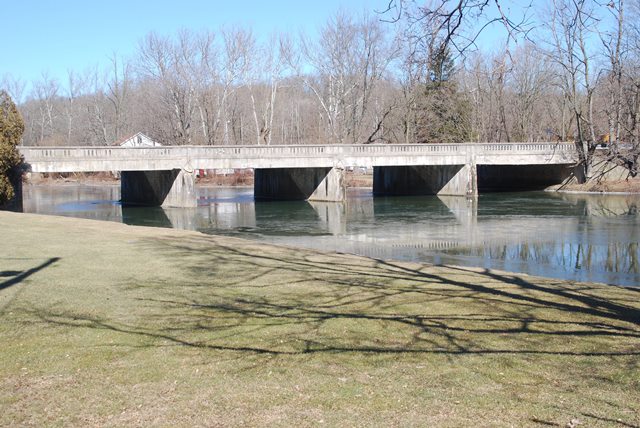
column 314, row 184
column 451, row 180
column 168, row 188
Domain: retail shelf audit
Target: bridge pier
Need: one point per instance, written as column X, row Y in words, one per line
column 314, row 184
column 167, row 188
column 449, row 180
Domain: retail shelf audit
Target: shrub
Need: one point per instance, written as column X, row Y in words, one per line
column 11, row 129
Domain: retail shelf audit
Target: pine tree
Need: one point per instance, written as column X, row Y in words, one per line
column 441, row 66
column 445, row 112
column 11, row 129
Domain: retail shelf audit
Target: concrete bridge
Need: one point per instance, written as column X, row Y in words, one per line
column 165, row 175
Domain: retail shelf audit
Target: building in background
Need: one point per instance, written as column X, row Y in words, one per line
column 137, row 140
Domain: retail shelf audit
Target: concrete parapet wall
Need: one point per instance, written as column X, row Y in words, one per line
column 78, row 159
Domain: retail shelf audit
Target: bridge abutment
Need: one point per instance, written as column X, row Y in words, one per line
column 167, row 188
column 450, row 180
column 313, row 184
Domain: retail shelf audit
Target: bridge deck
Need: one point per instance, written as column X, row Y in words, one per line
column 79, row 159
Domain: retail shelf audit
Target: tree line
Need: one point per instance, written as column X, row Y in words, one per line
column 568, row 70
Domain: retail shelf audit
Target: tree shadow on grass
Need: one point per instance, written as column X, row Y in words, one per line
column 573, row 299
column 609, row 421
column 559, row 295
column 309, row 346
column 16, row 277
column 241, row 297
column 251, row 305
column 6, row 273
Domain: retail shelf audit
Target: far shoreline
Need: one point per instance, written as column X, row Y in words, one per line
column 627, row 187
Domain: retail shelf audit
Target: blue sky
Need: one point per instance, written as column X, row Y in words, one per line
column 54, row 36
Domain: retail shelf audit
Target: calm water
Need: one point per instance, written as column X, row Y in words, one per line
column 588, row 238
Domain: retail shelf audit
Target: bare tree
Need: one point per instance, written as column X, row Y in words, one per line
column 207, row 85
column 612, row 44
column 267, row 71
column 168, row 64
column 218, row 69
column 571, row 24
column 456, row 24
column 529, row 83
column 97, row 109
column 46, row 92
column 74, row 90
column 118, row 88
column 632, row 78
column 237, row 45
column 348, row 61
column 14, row 86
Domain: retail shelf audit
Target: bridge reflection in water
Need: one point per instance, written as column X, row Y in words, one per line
column 591, row 238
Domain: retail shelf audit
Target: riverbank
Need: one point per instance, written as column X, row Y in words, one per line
column 241, row 178
column 631, row 185
column 111, row 325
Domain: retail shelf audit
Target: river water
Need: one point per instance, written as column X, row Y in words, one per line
column 567, row 236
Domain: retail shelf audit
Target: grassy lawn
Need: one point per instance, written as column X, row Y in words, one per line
column 112, row 325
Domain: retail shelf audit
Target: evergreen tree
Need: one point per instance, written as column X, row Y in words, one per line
column 11, row 129
column 441, row 66
column 446, row 112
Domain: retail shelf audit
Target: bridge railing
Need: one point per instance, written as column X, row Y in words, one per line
column 80, row 152
column 54, row 154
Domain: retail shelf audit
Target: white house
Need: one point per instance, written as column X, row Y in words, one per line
column 137, row 140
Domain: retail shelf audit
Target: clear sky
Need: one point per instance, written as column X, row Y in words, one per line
column 54, row 36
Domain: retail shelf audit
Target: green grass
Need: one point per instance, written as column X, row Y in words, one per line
column 111, row 325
